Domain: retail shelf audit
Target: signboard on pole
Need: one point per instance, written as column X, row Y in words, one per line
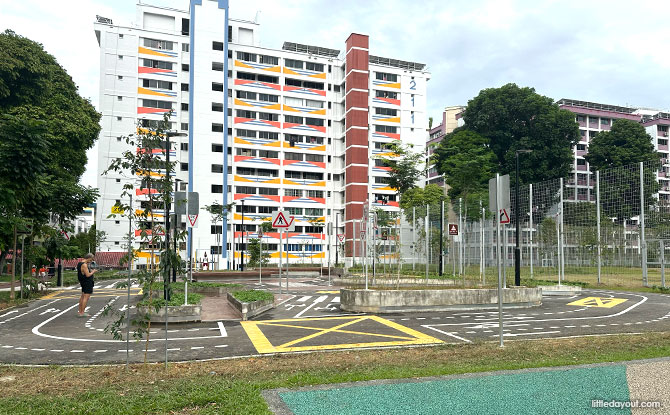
column 453, row 229
column 279, row 220
column 504, row 194
column 117, row 210
column 192, row 221
column 186, row 203
column 340, row 237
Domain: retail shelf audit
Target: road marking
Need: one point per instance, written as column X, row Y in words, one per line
column 7, row 347
column 222, row 345
column 262, row 343
column 197, row 347
column 57, row 350
column 37, row 350
column 318, row 300
column 527, row 334
column 27, row 312
column 21, row 348
column 174, row 349
column 77, row 351
column 336, row 299
column 598, row 302
column 328, row 292
column 124, row 350
column 100, row 351
column 448, row 334
column 222, row 329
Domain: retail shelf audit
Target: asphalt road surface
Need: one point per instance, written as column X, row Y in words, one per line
column 48, row 330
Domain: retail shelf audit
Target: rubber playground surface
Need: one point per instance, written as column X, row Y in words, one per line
column 565, row 390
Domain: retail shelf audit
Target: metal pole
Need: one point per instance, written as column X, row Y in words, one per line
column 23, row 239
column 337, row 242
column 365, row 253
column 427, row 220
column 562, row 232
column 530, row 235
column 286, row 233
column 414, row 237
column 598, row 224
column 176, row 224
column 500, row 288
column 441, row 271
column 482, row 265
column 190, row 256
column 130, row 263
column 517, row 250
column 330, row 247
column 460, row 240
column 662, row 263
column 280, row 255
column 242, row 245
column 558, row 246
column 643, row 241
column 353, row 257
column 505, row 253
column 260, row 258
column 374, row 247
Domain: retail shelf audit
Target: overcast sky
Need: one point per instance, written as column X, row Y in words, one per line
column 612, row 52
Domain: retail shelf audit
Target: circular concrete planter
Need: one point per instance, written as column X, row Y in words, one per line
column 393, row 301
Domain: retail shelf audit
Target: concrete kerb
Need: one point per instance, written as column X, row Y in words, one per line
column 175, row 314
column 392, row 301
column 248, row 310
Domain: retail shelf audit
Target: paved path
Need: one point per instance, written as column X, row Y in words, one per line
column 48, row 331
column 565, row 390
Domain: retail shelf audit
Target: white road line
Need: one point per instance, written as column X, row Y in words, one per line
column 110, row 285
column 37, row 350
column 197, row 347
column 57, row 350
column 7, row 347
column 100, row 351
column 303, row 299
column 124, row 350
column 21, row 348
column 527, row 334
column 222, row 329
column 318, row 300
column 447, row 334
column 174, row 349
column 27, row 312
column 192, row 329
column 570, row 327
column 222, row 345
column 77, row 351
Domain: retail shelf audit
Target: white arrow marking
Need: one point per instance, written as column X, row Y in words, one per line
column 224, row 333
column 318, row 300
column 49, row 310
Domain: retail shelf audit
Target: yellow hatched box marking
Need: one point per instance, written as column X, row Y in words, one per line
column 604, row 302
column 406, row 337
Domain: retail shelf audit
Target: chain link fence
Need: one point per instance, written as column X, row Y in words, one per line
column 608, row 227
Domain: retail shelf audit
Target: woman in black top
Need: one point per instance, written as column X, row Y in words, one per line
column 85, row 276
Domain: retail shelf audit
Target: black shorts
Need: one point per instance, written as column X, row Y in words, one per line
column 86, row 285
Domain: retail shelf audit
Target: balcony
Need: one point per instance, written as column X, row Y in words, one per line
column 663, row 147
column 582, row 167
column 581, row 153
column 662, row 133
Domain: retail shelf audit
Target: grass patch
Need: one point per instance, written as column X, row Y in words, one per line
column 176, row 299
column 249, row 296
column 234, row 386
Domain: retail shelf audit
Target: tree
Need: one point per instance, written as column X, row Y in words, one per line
column 405, row 171
column 467, row 163
column 255, row 257
column 217, row 212
column 514, row 118
column 616, row 153
column 40, row 107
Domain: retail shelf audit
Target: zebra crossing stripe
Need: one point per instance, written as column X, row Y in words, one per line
column 303, row 299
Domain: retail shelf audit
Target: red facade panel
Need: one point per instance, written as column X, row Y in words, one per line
column 356, row 118
column 357, row 80
column 357, row 99
column 353, row 211
column 356, row 155
column 358, row 41
column 357, row 137
column 355, row 174
column 357, row 59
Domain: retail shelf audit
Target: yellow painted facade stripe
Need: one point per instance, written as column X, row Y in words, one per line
column 263, row 344
column 602, row 302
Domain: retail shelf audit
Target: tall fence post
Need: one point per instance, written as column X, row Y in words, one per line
column 662, row 243
column 482, row 266
column 530, row 234
column 414, row 237
column 643, row 242
column 427, row 236
column 460, row 240
column 562, row 232
column 598, row 224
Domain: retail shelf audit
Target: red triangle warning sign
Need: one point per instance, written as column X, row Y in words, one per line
column 504, row 216
column 280, row 221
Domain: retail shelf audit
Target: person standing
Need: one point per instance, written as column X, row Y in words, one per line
column 85, row 276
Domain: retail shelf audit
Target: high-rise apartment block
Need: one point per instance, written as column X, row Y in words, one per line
column 305, row 128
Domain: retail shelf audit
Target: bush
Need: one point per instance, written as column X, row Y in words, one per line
column 249, row 296
column 176, row 299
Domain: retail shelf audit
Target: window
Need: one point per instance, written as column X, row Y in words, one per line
column 292, row 174
column 183, row 166
column 315, row 193
column 184, row 67
column 119, row 98
column 120, row 57
column 290, row 63
column 311, row 66
column 581, row 147
column 314, row 157
column 267, row 78
column 295, row 211
column 261, row 78
column 217, row 168
column 245, row 114
column 268, row 116
column 184, row 87
column 217, row 128
column 217, row 66
column 381, row 76
column 386, row 111
column 246, row 76
column 293, row 156
column 605, row 121
column 268, row 60
column 217, row 148
column 154, row 103
column 336, row 88
column 185, row 26
column 217, row 87
column 313, row 85
column 183, row 146
column 268, row 191
column 217, row 188
column 245, row 209
column 218, row 107
column 293, row 119
column 184, row 47
column 118, row 118
column 120, row 78
column 386, row 94
column 246, row 133
column 245, row 56
column 581, row 162
column 152, row 63
column 593, row 120
column 313, row 212
column 268, row 136
column 268, row 154
column 268, row 98
column 382, row 180
column 386, row 129
column 246, row 152
column 293, row 82
column 246, row 95
column 314, row 121
column 313, row 104
column 217, row 46
column 120, row 36
column 184, row 106
column 266, row 209
column 184, row 126
column 152, row 83
column 230, row 33
column 158, row 44
column 246, row 190
column 118, row 138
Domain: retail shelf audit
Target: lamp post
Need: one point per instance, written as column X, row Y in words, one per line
column 242, row 244
column 168, row 147
column 176, row 228
column 517, row 251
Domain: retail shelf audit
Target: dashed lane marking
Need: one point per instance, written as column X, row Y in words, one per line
column 262, row 333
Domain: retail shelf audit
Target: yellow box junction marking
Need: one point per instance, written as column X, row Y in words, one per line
column 604, row 302
column 343, row 325
column 328, row 292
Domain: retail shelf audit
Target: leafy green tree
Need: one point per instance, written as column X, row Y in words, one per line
column 255, row 257
column 405, row 167
column 514, row 118
column 616, row 153
column 87, row 241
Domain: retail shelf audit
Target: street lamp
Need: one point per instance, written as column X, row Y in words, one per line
column 517, row 251
column 242, row 244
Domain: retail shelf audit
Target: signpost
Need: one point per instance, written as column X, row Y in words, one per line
column 453, row 229
column 499, row 203
column 284, row 224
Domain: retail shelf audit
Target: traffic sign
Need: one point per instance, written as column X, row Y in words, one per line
column 340, row 237
column 362, row 234
column 192, row 221
column 453, row 229
column 117, row 210
column 504, row 216
column 279, row 220
column 504, row 194
column 186, row 203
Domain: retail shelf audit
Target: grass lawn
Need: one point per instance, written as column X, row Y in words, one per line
column 234, row 386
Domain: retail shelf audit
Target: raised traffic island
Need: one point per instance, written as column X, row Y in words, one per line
column 417, row 300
